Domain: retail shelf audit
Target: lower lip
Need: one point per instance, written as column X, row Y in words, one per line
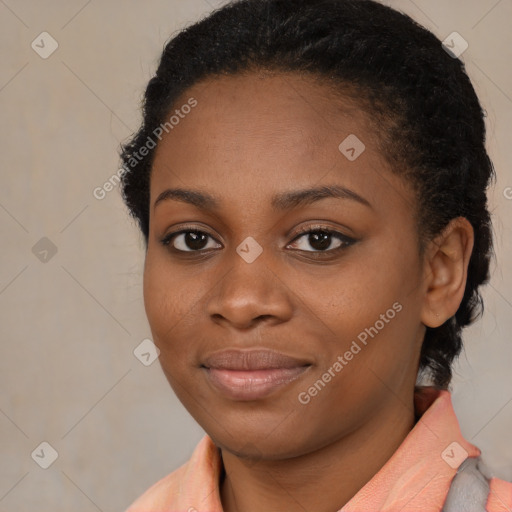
column 252, row 385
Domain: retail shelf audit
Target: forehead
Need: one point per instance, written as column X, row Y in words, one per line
column 250, row 135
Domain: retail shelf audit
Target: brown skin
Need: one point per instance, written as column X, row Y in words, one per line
column 249, row 138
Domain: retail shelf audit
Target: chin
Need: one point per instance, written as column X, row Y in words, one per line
column 253, row 444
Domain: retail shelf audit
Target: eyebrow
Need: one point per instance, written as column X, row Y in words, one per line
column 279, row 202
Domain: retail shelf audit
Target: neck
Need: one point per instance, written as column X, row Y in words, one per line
column 323, row 480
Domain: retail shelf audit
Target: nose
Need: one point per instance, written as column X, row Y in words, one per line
column 250, row 293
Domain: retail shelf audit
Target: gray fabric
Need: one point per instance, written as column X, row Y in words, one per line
column 469, row 488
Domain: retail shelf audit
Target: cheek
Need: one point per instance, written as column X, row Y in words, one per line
column 373, row 299
column 353, row 296
column 168, row 298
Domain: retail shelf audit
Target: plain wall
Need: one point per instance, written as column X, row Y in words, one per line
column 69, row 325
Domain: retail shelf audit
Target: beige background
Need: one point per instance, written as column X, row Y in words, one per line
column 69, row 326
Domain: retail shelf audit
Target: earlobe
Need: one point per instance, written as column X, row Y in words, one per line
column 446, row 264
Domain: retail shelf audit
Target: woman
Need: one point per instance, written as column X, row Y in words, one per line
column 310, row 180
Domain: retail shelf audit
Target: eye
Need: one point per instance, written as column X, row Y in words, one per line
column 321, row 239
column 188, row 240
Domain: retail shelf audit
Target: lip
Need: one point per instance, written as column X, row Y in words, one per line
column 252, row 374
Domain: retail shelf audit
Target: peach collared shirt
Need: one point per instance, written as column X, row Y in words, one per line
column 416, row 478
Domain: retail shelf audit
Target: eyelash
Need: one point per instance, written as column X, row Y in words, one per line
column 346, row 241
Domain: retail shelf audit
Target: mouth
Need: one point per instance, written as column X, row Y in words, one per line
column 251, row 374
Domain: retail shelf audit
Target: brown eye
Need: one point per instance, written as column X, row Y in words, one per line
column 322, row 240
column 188, row 240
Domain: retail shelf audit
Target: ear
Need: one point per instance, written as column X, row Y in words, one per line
column 445, row 271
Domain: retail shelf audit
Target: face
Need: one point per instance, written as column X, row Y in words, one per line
column 286, row 242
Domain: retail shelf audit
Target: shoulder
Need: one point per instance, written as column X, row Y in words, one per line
column 195, row 480
column 159, row 494
column 500, row 496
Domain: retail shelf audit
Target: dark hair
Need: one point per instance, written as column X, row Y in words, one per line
column 425, row 112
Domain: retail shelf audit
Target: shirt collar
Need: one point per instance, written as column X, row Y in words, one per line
column 418, row 475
